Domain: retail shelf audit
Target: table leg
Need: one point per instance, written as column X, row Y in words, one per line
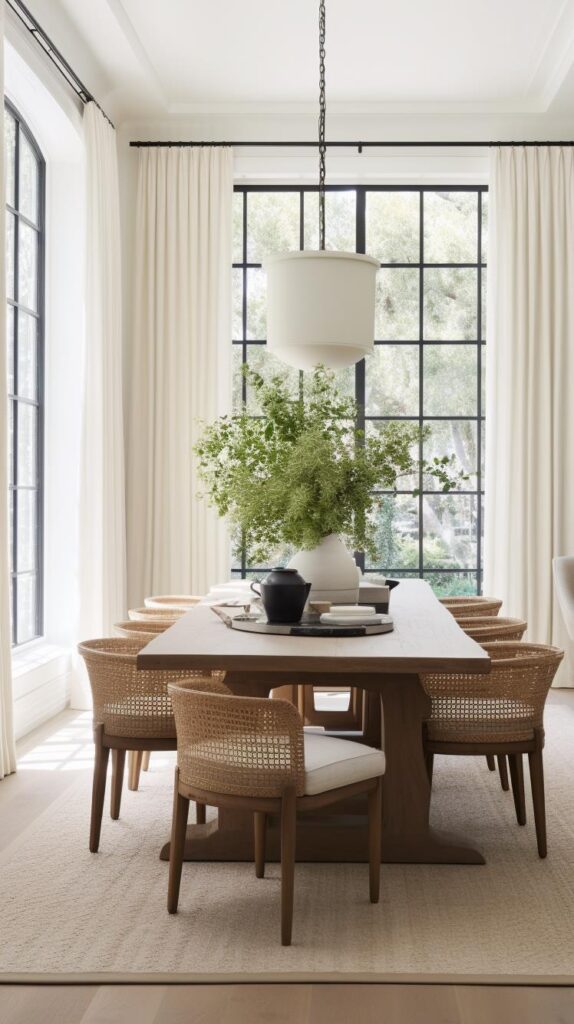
column 407, row 835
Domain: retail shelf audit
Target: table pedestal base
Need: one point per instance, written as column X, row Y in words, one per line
column 321, row 838
column 342, row 836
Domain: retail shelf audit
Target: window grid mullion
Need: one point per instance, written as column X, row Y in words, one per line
column 420, row 342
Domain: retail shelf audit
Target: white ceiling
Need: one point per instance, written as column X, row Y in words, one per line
column 175, row 57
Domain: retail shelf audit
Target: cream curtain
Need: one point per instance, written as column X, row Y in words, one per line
column 102, row 495
column 180, row 365
column 7, row 746
column 530, row 384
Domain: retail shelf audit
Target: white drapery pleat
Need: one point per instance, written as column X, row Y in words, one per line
column 530, row 384
column 102, row 574
column 180, row 366
column 7, row 746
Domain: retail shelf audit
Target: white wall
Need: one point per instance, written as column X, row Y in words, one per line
column 44, row 676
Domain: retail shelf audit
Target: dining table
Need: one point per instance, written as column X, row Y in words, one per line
column 387, row 667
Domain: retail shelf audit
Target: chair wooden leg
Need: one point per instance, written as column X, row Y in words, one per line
column 145, row 760
column 260, row 828
column 503, row 771
column 98, row 789
column 375, row 829
column 177, row 845
column 288, row 833
column 491, row 762
column 537, row 783
column 200, row 814
column 118, row 762
column 517, row 779
column 134, row 768
column 429, row 761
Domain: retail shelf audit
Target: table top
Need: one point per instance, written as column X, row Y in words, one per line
column 426, row 637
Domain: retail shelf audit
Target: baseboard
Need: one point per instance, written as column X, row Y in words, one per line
column 291, row 978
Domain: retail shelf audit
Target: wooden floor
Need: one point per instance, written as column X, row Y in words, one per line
column 50, row 760
column 284, row 1004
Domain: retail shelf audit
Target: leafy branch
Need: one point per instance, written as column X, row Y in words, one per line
column 303, row 470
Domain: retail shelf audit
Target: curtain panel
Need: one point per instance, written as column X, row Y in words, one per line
column 180, row 366
column 102, row 584
column 529, row 515
column 7, row 745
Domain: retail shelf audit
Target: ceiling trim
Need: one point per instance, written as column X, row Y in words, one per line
column 553, row 65
column 138, row 49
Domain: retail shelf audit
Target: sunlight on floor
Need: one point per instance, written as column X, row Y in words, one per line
column 71, row 748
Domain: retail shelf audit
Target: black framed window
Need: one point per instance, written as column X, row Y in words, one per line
column 428, row 363
column 25, row 201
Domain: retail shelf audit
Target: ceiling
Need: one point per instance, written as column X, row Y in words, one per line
column 178, row 57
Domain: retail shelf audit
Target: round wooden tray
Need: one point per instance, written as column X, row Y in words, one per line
column 310, row 625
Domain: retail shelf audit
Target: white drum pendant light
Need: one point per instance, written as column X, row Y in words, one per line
column 321, row 305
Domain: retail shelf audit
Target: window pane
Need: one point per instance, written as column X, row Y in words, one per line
column 450, row 385
column 484, row 244
column 10, row 229
column 450, row 297
column 452, row 584
column 9, row 157
column 392, row 381
column 449, row 531
column 265, row 363
column 28, row 267
column 237, row 303
column 392, row 226
column 11, row 408
column 27, row 441
column 237, row 379
column 27, row 359
column 397, row 532
column 238, row 227
column 340, row 221
column 397, row 305
column 272, row 224
column 10, row 347
column 450, row 227
column 452, row 437
column 404, row 483
column 27, row 504
column 25, row 608
column 29, row 180
column 256, row 305
column 483, row 305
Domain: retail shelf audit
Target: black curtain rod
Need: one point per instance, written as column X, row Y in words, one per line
column 60, row 62
column 360, row 146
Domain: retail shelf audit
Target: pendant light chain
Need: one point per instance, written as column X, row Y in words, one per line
column 322, row 119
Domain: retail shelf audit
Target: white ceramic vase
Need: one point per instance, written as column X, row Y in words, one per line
column 331, row 570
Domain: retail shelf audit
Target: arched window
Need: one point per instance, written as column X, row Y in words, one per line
column 25, row 250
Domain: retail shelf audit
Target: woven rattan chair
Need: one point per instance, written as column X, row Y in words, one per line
column 500, row 713
column 489, row 629
column 166, row 615
column 144, row 631
column 469, row 607
column 251, row 753
column 132, row 711
column 172, row 602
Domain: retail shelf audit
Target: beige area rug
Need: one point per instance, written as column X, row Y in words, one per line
column 65, row 912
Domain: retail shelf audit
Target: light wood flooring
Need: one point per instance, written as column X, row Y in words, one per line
column 50, row 760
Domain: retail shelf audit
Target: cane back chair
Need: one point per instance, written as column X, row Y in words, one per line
column 251, row 753
column 500, row 713
column 132, row 711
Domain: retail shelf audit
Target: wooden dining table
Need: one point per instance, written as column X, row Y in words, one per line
column 387, row 667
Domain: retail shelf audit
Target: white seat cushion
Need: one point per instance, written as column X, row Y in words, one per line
column 331, row 763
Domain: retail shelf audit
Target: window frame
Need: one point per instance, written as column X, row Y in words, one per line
column 13, row 398
column 478, row 344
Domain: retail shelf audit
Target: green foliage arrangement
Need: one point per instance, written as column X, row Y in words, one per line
column 302, row 470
